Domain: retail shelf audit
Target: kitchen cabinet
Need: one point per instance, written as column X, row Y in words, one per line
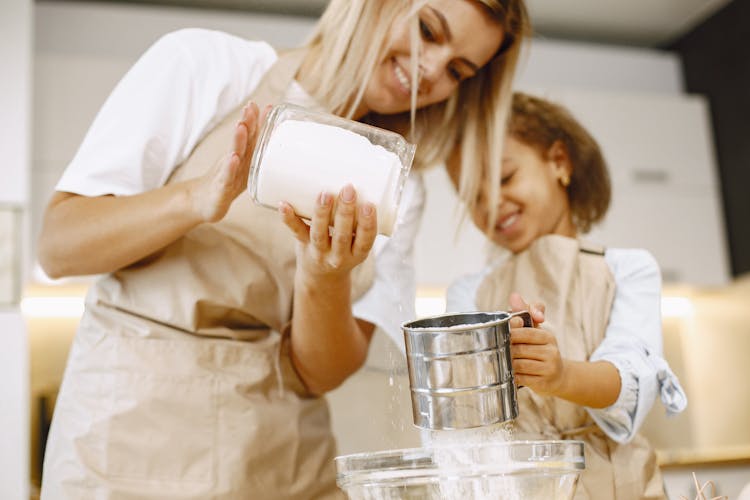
column 666, row 194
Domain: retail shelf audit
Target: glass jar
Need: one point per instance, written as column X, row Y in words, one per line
column 301, row 153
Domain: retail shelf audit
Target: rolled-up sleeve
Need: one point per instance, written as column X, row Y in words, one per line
column 633, row 344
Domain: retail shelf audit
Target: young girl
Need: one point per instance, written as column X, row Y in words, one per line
column 594, row 369
column 198, row 363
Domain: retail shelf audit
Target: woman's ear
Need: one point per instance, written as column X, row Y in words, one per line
column 559, row 160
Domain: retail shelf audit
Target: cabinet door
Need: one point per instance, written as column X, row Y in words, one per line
column 682, row 229
column 648, row 138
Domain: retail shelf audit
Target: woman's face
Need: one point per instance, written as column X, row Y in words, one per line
column 533, row 202
column 458, row 38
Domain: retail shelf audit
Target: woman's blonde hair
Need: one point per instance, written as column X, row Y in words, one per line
column 341, row 49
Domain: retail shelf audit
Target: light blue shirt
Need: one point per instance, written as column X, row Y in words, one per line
column 632, row 341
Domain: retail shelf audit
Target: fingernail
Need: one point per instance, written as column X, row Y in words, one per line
column 366, row 209
column 324, row 199
column 347, row 194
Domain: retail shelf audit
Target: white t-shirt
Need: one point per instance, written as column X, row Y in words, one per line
column 177, row 92
column 632, row 341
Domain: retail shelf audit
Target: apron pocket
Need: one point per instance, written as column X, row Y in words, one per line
column 162, row 422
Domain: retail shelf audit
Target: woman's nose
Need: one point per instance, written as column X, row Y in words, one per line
column 432, row 64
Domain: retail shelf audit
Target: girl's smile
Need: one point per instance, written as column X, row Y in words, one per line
column 533, row 202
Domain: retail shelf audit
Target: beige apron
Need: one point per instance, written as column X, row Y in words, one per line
column 178, row 385
column 574, row 282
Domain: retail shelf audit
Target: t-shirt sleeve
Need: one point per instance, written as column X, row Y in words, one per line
column 177, row 91
column 633, row 344
column 390, row 300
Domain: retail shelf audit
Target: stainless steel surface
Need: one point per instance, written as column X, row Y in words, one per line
column 536, row 470
column 460, row 370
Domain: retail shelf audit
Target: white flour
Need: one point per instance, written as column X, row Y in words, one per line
column 457, row 449
column 304, row 158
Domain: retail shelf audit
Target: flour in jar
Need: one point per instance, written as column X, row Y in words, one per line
column 304, row 158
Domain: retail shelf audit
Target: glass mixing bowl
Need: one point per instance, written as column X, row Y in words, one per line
column 528, row 470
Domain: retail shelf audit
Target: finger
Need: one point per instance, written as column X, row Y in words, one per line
column 321, row 220
column 265, row 112
column 528, row 351
column 251, row 121
column 241, row 133
column 534, row 336
column 297, row 225
column 529, row 381
column 343, row 225
column 528, row 367
column 367, row 230
column 225, row 176
column 517, row 303
column 537, row 312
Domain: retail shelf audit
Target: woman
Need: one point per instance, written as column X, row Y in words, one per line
column 198, row 363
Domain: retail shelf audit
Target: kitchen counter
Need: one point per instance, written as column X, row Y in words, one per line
column 720, row 456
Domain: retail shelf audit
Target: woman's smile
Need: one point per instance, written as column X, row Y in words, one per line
column 402, row 79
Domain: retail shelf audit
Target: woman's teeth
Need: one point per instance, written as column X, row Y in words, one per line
column 402, row 78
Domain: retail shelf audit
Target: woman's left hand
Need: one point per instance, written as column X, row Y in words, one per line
column 537, row 363
column 321, row 253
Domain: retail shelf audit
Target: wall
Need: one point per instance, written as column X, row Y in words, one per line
column 716, row 63
column 15, row 101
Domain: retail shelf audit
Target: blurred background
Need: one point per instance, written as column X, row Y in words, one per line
column 662, row 85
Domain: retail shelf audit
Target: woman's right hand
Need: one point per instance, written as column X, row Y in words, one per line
column 212, row 194
column 74, row 241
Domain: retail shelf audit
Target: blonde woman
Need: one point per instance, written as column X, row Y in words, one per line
column 217, row 325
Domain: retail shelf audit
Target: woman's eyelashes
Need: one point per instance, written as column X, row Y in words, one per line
column 507, row 178
column 427, row 33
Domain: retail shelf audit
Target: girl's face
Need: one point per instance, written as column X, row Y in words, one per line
column 458, row 38
column 533, row 202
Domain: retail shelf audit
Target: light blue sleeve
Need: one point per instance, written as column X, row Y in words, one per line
column 633, row 344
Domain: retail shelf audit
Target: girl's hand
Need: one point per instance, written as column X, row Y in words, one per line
column 320, row 254
column 518, row 304
column 537, row 363
column 213, row 193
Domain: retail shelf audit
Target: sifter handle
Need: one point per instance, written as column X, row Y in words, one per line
column 526, row 315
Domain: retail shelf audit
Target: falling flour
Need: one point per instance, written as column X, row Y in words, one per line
column 305, row 158
column 457, row 449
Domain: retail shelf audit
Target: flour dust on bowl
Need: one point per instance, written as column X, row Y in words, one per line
column 513, row 470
